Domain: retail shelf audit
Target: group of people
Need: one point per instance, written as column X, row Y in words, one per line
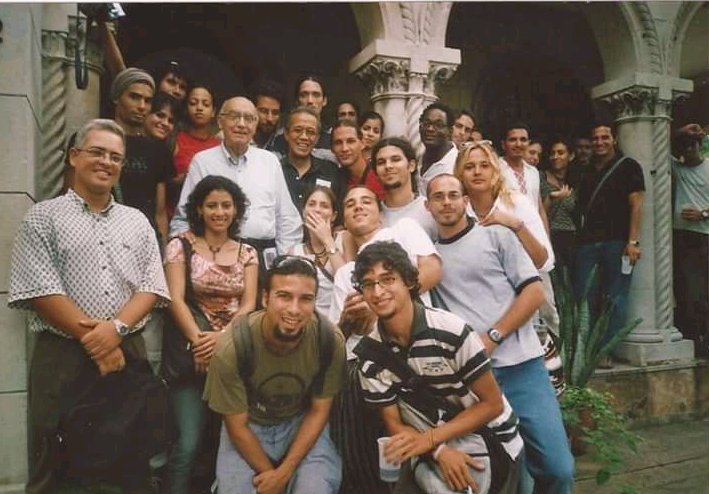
column 303, row 262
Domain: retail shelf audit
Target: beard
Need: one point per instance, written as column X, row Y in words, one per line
column 287, row 336
column 393, row 186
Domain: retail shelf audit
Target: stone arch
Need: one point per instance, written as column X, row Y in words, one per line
column 686, row 15
column 416, row 23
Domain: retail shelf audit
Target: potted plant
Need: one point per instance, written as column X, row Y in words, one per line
column 590, row 419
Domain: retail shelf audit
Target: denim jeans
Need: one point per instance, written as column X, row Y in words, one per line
column 547, row 453
column 319, row 472
column 610, row 284
column 190, row 414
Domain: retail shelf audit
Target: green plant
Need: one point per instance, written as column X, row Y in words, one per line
column 603, row 429
column 587, row 413
column 580, row 337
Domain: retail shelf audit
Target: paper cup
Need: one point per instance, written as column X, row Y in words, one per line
column 388, row 472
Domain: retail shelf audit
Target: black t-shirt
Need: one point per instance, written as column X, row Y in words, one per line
column 148, row 163
column 321, row 172
column 609, row 216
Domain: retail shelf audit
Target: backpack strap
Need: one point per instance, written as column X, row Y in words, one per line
column 326, row 342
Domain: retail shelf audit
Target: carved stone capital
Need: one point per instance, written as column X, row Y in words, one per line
column 54, row 44
column 91, row 50
column 438, row 73
column 636, row 101
column 385, row 75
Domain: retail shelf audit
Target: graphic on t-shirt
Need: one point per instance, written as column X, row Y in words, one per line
column 280, row 393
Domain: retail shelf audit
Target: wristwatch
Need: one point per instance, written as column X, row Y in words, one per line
column 636, row 243
column 332, row 250
column 495, row 336
column 705, row 214
column 121, row 328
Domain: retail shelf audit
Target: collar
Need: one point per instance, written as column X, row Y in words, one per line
column 233, row 158
column 315, row 164
column 80, row 202
column 460, row 234
column 418, row 326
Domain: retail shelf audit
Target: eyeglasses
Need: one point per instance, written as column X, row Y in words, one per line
column 469, row 144
column 367, row 286
column 442, row 196
column 438, row 124
column 309, row 133
column 284, row 261
column 233, row 117
column 97, row 153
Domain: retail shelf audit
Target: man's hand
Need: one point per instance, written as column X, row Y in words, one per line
column 454, row 466
column 490, row 345
column 633, row 253
column 406, row 444
column 691, row 214
column 114, row 361
column 356, row 314
column 272, row 481
column 101, row 340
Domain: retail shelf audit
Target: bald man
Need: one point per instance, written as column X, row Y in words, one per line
column 272, row 223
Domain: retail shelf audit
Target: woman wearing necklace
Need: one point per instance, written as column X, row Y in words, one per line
column 319, row 213
column 493, row 203
column 223, row 275
column 561, row 204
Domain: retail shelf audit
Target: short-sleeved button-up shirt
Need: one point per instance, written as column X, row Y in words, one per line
column 98, row 260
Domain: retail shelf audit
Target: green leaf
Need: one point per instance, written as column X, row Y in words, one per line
column 602, row 476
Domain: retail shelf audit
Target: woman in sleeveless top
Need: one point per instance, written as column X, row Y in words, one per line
column 223, row 273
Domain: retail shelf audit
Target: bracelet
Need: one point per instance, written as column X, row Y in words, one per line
column 430, row 439
column 438, row 451
column 518, row 228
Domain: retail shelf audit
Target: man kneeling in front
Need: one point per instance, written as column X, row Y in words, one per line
column 273, row 379
column 428, row 373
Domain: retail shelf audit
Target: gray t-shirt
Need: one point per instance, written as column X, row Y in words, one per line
column 416, row 210
column 484, row 268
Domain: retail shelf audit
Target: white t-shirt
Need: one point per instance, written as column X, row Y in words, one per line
column 414, row 240
column 416, row 210
column 526, row 211
column 691, row 189
column 445, row 165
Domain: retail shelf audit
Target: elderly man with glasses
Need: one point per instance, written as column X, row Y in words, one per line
column 272, row 223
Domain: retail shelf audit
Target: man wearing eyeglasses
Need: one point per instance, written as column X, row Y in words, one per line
column 301, row 169
column 435, row 127
column 148, row 163
column 272, row 223
column 89, row 271
column 276, row 437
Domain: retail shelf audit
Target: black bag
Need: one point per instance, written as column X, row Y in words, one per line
column 112, row 421
column 177, row 362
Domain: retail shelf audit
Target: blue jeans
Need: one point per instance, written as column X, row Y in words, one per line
column 547, row 453
column 319, row 472
column 190, row 414
column 610, row 282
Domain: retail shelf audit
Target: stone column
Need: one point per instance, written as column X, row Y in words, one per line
column 642, row 106
column 65, row 107
column 402, row 79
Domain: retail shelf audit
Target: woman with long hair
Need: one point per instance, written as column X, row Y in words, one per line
column 197, row 136
column 493, row 203
column 319, row 213
column 223, row 276
column 372, row 125
column 561, row 204
column 160, row 122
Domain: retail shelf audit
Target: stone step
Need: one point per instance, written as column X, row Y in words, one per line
column 671, row 458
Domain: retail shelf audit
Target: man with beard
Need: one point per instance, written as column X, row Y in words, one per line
column 394, row 162
column 435, row 127
column 276, row 437
column 148, row 163
column 268, row 98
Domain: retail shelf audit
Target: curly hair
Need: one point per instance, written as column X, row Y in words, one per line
column 393, row 258
column 499, row 186
column 196, row 199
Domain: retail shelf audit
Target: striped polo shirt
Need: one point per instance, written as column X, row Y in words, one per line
column 448, row 356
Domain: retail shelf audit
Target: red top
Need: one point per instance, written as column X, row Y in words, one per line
column 370, row 180
column 187, row 147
